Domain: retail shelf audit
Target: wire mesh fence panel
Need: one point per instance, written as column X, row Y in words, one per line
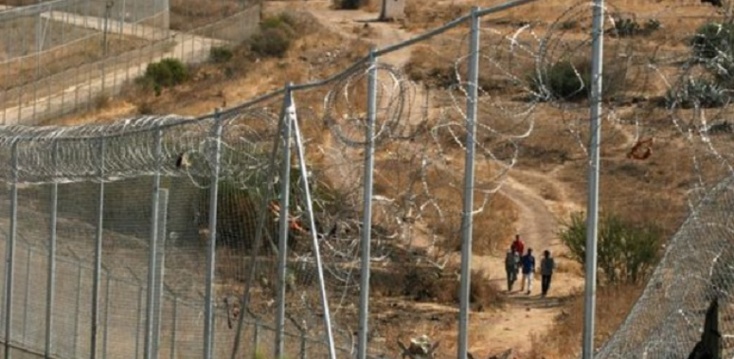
column 31, row 269
column 55, row 38
column 175, row 236
column 667, row 320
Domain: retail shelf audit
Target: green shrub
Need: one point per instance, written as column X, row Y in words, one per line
column 569, row 25
column 272, row 42
column 220, row 54
column 165, row 73
column 713, row 47
column 571, row 81
column 280, row 21
column 697, row 93
column 350, row 4
column 563, row 81
column 626, row 28
column 723, row 127
column 275, row 36
column 713, row 40
column 651, row 25
column 626, row 252
column 145, row 108
column 101, row 101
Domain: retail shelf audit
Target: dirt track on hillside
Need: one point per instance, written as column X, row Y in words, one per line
column 511, row 327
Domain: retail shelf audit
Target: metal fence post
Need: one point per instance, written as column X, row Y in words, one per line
column 314, row 236
column 10, row 248
column 98, row 251
column 51, row 275
column 256, row 338
column 283, row 222
column 212, row 245
column 592, row 219
column 106, row 313
column 468, row 206
column 174, row 324
column 303, row 345
column 153, row 250
column 26, row 291
column 138, row 320
column 369, row 164
column 267, row 192
column 160, row 269
column 77, row 305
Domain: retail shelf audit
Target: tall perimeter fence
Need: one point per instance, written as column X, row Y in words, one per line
column 282, row 228
column 62, row 56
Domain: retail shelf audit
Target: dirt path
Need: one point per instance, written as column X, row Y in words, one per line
column 526, row 315
column 538, row 223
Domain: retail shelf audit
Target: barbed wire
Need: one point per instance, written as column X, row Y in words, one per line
column 420, row 134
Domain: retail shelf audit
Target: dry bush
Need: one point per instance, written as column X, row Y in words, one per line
column 426, row 66
column 418, row 282
column 566, row 265
column 482, row 294
column 429, row 284
column 364, row 31
column 563, row 338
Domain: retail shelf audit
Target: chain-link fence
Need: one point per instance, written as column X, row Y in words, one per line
column 61, row 56
column 667, row 320
column 153, row 229
column 283, row 226
column 108, row 251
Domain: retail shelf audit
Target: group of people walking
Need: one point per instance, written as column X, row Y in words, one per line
column 518, row 260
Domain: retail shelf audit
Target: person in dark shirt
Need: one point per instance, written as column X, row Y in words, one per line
column 528, row 270
column 547, row 265
column 512, row 264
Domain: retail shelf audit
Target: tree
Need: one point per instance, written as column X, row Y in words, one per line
column 626, row 252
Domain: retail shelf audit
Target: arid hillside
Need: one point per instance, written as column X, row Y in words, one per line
column 657, row 151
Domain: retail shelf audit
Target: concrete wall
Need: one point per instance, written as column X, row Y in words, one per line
column 392, row 9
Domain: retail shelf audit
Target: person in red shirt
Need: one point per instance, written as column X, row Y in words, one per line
column 518, row 245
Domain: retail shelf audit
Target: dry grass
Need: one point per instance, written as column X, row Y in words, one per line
column 428, row 66
column 418, row 16
column 651, row 190
column 562, row 340
column 187, row 15
column 22, row 71
column 21, row 37
column 220, row 85
column 428, row 284
column 403, row 178
column 26, row 70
